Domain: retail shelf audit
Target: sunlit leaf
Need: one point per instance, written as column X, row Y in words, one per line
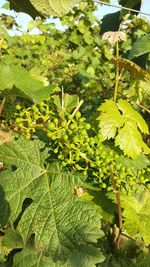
column 122, row 122
column 135, row 70
column 110, row 119
column 140, row 47
column 137, row 215
column 31, row 87
column 61, row 221
column 44, row 8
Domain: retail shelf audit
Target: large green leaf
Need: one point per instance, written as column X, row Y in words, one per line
column 140, row 47
column 122, row 122
column 144, row 90
column 129, row 140
column 135, row 4
column 107, row 24
column 129, row 113
column 24, row 6
column 137, row 215
column 12, row 75
column 12, row 239
column 106, row 206
column 61, row 221
column 136, row 71
column 42, row 7
column 87, row 256
column 68, row 102
column 110, row 119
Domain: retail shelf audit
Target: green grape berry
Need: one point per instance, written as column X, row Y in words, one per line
column 51, row 126
column 81, row 120
column 18, row 120
column 87, row 126
column 109, row 188
column 20, row 125
column 72, row 126
column 64, row 124
column 60, row 156
column 84, row 173
column 18, row 107
column 42, row 104
column 65, row 137
column 35, row 108
column 103, row 185
column 70, row 117
column 78, row 115
column 75, row 139
column 56, row 121
column 55, row 150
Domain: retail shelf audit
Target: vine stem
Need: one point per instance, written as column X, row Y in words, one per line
column 116, row 189
column 76, row 109
column 2, row 105
column 117, row 72
column 117, row 193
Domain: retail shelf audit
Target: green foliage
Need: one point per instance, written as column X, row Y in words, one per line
column 67, row 103
column 108, row 20
column 128, row 122
column 22, row 80
column 137, row 216
column 55, row 213
column 106, row 206
column 37, row 8
column 83, row 67
column 136, row 71
column 56, row 184
column 141, row 162
column 140, row 47
column 136, row 4
column 85, row 257
column 74, row 143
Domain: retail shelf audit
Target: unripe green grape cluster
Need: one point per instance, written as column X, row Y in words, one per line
column 75, row 144
column 28, row 120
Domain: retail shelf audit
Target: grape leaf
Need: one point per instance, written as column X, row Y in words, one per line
column 110, row 119
column 24, row 6
column 106, row 206
column 129, row 113
column 44, row 8
column 122, row 122
column 140, row 47
column 143, row 260
column 4, row 251
column 136, row 71
column 137, row 215
column 139, row 163
column 67, row 103
column 144, row 90
column 108, row 20
column 70, row 101
column 85, row 257
column 12, row 75
column 61, row 221
column 12, row 239
column 130, row 140
column 136, row 4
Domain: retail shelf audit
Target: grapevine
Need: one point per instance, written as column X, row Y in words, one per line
column 75, row 143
